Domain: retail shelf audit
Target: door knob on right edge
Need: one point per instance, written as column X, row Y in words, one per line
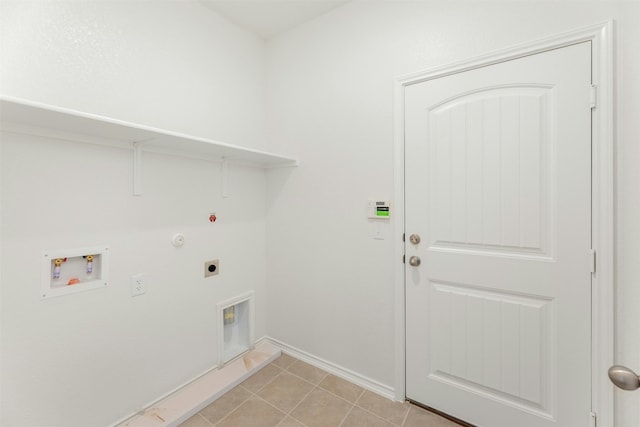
column 414, row 261
column 624, row 377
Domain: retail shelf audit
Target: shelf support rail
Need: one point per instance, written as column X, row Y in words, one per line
column 225, row 177
column 137, row 166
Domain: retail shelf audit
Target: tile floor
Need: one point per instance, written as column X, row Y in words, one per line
column 291, row 393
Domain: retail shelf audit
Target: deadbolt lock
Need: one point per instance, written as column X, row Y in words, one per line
column 414, row 238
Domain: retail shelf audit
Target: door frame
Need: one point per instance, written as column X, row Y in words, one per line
column 602, row 209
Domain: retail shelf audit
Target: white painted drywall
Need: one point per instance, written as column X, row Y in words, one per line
column 92, row 358
column 171, row 65
column 330, row 102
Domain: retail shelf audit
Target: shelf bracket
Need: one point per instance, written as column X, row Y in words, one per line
column 225, row 177
column 137, row 167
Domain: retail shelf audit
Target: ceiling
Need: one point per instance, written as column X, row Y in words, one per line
column 267, row 18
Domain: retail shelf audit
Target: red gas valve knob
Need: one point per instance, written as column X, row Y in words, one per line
column 212, row 218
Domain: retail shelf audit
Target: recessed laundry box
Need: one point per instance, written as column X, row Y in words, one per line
column 67, row 271
column 235, row 327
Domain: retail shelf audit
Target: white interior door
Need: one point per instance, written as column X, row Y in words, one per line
column 498, row 187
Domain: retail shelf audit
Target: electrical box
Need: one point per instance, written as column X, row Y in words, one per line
column 235, row 327
column 379, row 209
column 68, row 271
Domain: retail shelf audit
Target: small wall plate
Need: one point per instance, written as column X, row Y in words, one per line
column 211, row 268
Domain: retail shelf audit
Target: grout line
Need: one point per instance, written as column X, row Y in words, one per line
column 286, row 371
column 293, row 360
column 404, row 420
column 295, row 419
column 359, row 397
column 316, row 387
column 230, row 412
column 303, row 379
column 283, row 371
column 290, row 413
column 313, row 388
column 251, row 394
column 267, row 383
column 234, row 409
column 347, row 414
column 205, row 419
column 302, row 400
column 306, row 380
column 382, row 418
column 340, row 397
column 274, row 407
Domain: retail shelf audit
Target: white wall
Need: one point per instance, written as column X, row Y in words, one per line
column 92, row 358
column 331, row 103
column 170, row 64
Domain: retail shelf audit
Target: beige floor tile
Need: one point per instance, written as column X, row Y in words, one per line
column 321, row 409
column 307, row 372
column 285, row 391
column 342, row 388
column 419, row 417
column 288, row 382
column 391, row 411
column 253, row 413
column 284, row 361
column 224, row 405
column 290, row 422
column 196, row 421
column 261, row 378
column 360, row 418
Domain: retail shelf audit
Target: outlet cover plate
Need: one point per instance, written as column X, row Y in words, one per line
column 137, row 285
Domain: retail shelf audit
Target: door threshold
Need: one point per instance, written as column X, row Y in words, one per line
column 442, row 414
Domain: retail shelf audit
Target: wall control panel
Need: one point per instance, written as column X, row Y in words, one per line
column 379, row 209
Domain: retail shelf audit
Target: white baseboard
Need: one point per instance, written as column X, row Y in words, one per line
column 339, row 371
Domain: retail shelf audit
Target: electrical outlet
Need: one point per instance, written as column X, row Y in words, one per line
column 211, row 268
column 137, row 285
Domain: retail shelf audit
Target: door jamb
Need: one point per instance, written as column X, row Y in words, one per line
column 602, row 211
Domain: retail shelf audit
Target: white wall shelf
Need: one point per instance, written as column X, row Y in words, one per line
column 23, row 116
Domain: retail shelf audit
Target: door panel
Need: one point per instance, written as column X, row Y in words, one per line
column 478, row 182
column 498, row 185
